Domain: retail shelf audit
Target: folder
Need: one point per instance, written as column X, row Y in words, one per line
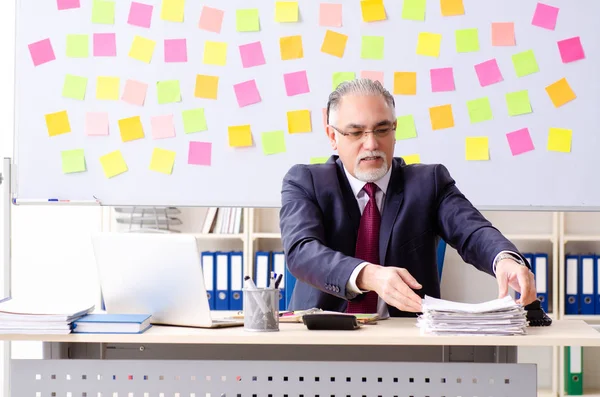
column 280, row 268
column 290, row 283
column 529, row 257
column 597, row 284
column 587, row 296
column 222, row 280
column 574, row 370
column 236, row 274
column 572, row 284
column 261, row 269
column 540, row 270
column 208, row 269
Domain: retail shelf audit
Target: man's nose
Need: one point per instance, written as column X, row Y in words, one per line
column 370, row 142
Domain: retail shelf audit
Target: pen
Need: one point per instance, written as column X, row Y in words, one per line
column 278, row 281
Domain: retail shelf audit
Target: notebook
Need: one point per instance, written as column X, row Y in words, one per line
column 112, row 324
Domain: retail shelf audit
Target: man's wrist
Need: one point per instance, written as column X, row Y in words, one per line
column 365, row 278
column 507, row 255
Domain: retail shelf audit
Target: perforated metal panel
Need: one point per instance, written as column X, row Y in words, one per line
column 174, row 378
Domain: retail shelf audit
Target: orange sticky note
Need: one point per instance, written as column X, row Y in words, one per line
column 291, row 47
column 240, row 135
column 560, row 92
column 441, row 117
column 503, row 34
column 58, row 123
column 206, row 86
column 299, row 121
column 113, row 164
column 405, row 83
column 131, row 129
column 452, row 7
column 334, row 43
column 162, row 161
column 372, row 10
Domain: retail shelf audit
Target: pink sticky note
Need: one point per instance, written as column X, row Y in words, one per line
column 41, row 52
column 488, row 72
column 105, row 45
column 503, row 33
column 199, row 153
column 442, row 79
column 135, row 92
column 520, row 141
column 296, row 83
column 96, row 123
column 330, row 14
column 246, row 93
column 162, row 127
column 175, row 50
column 571, row 49
column 211, row 19
column 372, row 75
column 545, row 16
column 252, row 54
column 140, row 14
column 67, row 4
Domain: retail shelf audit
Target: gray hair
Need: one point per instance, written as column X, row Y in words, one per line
column 358, row 86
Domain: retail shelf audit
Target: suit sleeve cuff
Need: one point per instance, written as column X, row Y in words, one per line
column 351, row 286
column 517, row 258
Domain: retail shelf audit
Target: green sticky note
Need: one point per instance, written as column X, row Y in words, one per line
column 73, row 161
column 340, row 77
column 518, row 103
column 479, row 110
column 525, row 63
column 246, row 20
column 103, row 12
column 318, row 160
column 74, row 87
column 467, row 40
column 405, row 128
column 372, row 47
column 414, row 10
column 273, row 142
column 77, row 45
column 194, row 120
column 168, row 91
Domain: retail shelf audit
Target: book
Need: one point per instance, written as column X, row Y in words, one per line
column 102, row 323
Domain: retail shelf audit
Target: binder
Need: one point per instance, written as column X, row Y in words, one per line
column 540, row 266
column 280, row 268
column 290, row 283
column 261, row 269
column 572, row 284
column 222, row 280
column 597, row 284
column 529, row 257
column 574, row 370
column 587, row 294
column 208, row 269
column 236, row 274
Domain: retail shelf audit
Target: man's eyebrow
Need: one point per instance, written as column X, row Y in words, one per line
column 379, row 124
column 353, row 125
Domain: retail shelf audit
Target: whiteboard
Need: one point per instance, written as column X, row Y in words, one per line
column 246, row 176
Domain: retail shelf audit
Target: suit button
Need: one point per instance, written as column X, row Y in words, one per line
column 337, row 289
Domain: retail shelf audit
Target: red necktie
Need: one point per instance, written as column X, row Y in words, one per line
column 367, row 248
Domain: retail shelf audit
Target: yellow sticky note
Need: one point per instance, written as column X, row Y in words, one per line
column 142, row 49
column 113, row 164
column 334, row 43
column 299, row 121
column 412, row 159
column 559, row 140
column 405, row 83
column 429, row 44
column 206, row 86
column 441, row 117
column 131, row 129
column 240, row 135
column 162, row 161
column 107, row 88
column 452, row 7
column 286, row 11
column 291, row 47
column 58, row 123
column 372, row 10
column 318, row 160
column 560, row 92
column 215, row 53
column 172, row 10
column 477, row 148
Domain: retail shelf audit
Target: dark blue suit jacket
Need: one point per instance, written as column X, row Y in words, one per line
column 319, row 221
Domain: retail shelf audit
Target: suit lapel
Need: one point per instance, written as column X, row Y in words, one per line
column 393, row 200
column 349, row 202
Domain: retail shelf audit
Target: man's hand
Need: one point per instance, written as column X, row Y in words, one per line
column 518, row 277
column 393, row 285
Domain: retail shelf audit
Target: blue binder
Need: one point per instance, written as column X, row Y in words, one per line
column 236, row 280
column 279, row 267
column 529, row 257
column 262, row 269
column 597, row 284
column 572, row 284
column 540, row 266
column 290, row 283
column 587, row 281
column 222, row 280
column 208, row 269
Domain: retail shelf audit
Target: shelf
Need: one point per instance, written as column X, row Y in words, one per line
column 530, row 237
column 584, row 317
column 266, row 235
column 217, row 236
column 545, row 393
column 581, row 237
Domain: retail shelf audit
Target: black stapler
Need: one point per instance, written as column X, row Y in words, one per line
column 536, row 315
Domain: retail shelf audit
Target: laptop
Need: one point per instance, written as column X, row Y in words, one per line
column 157, row 274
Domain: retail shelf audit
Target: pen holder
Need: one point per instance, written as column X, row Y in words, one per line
column 261, row 309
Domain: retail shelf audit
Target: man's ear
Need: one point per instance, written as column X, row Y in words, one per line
column 332, row 137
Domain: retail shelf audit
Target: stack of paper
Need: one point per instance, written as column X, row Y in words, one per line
column 496, row 317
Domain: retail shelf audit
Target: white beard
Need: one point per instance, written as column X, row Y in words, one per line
column 370, row 175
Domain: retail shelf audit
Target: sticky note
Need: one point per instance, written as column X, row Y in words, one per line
column 428, row 44
column 467, row 40
column 135, row 92
column 296, row 83
column 247, row 20
column 96, row 123
column 452, row 7
column 479, row 110
column 503, row 34
column 372, row 47
column 103, row 12
column 405, row 83
column 405, row 127
column 162, row 126
column 318, row 160
column 286, row 11
column 372, row 75
column 175, row 50
column 291, row 47
column 340, row 77
column 477, row 148
column 273, row 142
column 299, row 121
column 107, row 88
column 252, row 54
column 140, row 14
column 194, row 120
column 77, row 45
column 199, row 153
column 131, row 128
column 168, row 91
column 518, row 103
column 105, row 44
column 67, row 4
column 520, row 141
column 442, row 79
column 488, row 72
column 372, row 10
column 246, row 93
column 441, row 117
column 330, row 14
column 560, row 92
column 74, row 87
column 334, row 43
column 570, row 49
column 545, row 16
column 206, row 86
column 41, row 52
column 172, row 10
column 239, row 135
column 525, row 63
column 412, row 159
column 73, row 161
column 142, row 49
column 211, row 19
column 559, row 140
column 215, row 53
column 414, row 10
column 162, row 161
column 58, row 123
column 113, row 164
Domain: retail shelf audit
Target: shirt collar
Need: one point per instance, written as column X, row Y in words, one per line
column 356, row 185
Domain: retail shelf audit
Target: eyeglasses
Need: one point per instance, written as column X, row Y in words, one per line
column 380, row 132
